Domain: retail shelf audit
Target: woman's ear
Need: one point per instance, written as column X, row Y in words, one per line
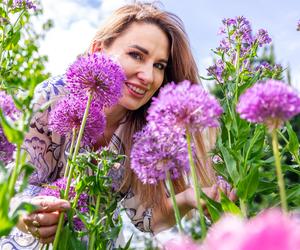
column 96, row 47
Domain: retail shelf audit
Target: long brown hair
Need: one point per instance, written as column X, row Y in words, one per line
column 181, row 66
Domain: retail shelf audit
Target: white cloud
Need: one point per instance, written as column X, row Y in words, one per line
column 74, row 27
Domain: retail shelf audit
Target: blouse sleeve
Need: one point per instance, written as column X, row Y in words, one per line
column 44, row 148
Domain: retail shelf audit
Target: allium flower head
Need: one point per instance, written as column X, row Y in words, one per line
column 181, row 243
column 9, row 110
column 156, row 151
column 270, row 230
column 99, row 74
column 56, row 187
column 184, row 105
column 298, row 26
column 270, row 103
column 68, row 114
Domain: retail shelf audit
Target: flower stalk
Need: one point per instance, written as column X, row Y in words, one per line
column 196, row 185
column 279, row 171
column 76, row 150
column 175, row 206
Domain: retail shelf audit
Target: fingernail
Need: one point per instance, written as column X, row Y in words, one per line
column 65, row 206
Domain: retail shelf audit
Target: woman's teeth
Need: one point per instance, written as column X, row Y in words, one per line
column 136, row 89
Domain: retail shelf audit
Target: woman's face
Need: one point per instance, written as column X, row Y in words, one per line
column 143, row 51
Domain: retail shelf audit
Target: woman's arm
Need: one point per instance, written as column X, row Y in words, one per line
column 186, row 202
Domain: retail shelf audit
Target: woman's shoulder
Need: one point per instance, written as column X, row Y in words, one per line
column 53, row 86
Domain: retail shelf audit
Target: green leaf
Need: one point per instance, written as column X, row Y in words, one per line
column 12, row 134
column 230, row 163
column 228, row 205
column 293, row 144
column 247, row 186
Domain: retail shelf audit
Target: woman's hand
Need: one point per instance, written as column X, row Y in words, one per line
column 42, row 223
column 212, row 192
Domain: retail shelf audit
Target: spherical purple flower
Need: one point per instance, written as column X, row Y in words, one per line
column 68, row 114
column 99, row 74
column 298, row 26
column 155, row 152
column 270, row 103
column 262, row 37
column 56, row 187
column 9, row 110
column 184, row 105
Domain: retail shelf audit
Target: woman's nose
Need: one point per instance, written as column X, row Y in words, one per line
column 145, row 74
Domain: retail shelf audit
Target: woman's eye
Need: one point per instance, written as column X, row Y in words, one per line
column 159, row 66
column 136, row 55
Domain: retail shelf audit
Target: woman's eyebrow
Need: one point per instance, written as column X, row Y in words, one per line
column 145, row 51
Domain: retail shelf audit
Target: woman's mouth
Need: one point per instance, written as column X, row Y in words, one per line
column 136, row 91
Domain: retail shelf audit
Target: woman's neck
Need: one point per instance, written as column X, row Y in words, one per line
column 114, row 115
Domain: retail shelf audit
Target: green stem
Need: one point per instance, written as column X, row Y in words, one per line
column 93, row 236
column 237, row 67
column 243, row 207
column 196, row 185
column 70, row 153
column 15, row 173
column 279, row 171
column 175, row 206
column 76, row 150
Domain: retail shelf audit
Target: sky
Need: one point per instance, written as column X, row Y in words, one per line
column 76, row 21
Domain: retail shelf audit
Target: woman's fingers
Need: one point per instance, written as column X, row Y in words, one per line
column 50, row 204
column 41, row 219
column 44, row 234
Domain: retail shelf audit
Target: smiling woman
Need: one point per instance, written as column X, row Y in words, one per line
column 152, row 47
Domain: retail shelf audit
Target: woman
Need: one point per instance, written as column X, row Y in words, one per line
column 152, row 47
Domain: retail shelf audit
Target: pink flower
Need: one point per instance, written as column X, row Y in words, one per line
column 181, row 243
column 226, row 234
column 272, row 230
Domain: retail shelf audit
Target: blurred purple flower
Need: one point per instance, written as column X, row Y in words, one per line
column 99, row 74
column 270, row 230
column 298, row 26
column 54, row 189
column 9, row 110
column 181, row 243
column 156, row 151
column 24, row 3
column 270, row 103
column 262, row 37
column 68, row 114
column 184, row 105
column 217, row 70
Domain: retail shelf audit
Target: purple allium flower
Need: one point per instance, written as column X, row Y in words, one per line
column 262, row 37
column 298, row 26
column 184, row 105
column 271, row 103
column 9, row 110
column 99, row 74
column 24, row 3
column 56, row 187
column 155, row 152
column 68, row 114
column 269, row 230
column 217, row 70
